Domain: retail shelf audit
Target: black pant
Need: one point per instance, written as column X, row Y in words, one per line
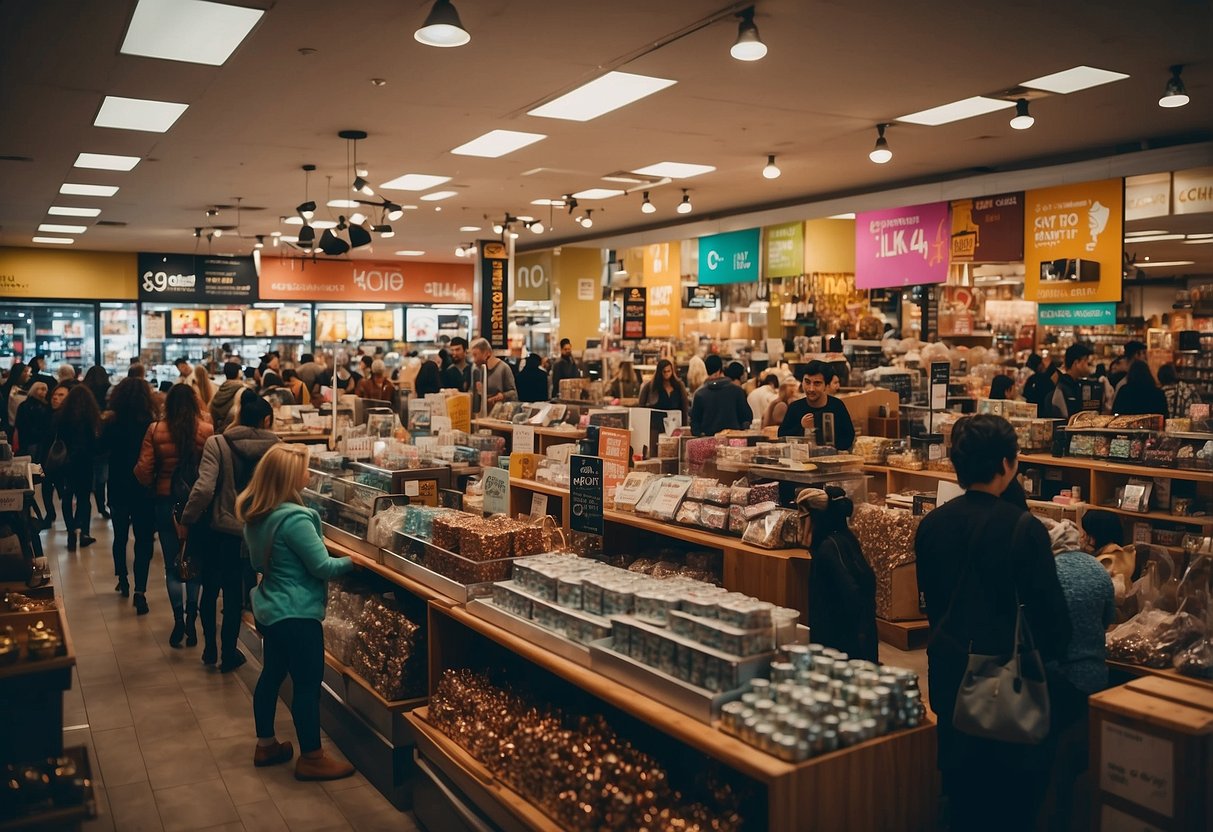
column 294, row 646
column 132, row 510
column 223, row 572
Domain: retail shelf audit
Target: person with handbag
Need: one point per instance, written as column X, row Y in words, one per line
column 996, row 610
column 286, row 546
column 209, row 518
column 168, row 460
column 132, row 411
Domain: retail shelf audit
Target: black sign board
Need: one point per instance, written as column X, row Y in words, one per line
column 635, row 310
column 899, row 383
column 585, row 494
column 700, row 297
column 494, row 292
column 184, row 278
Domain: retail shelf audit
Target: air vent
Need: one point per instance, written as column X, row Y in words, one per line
column 110, row 223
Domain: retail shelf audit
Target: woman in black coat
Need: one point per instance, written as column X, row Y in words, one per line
column 77, row 425
column 532, row 381
column 1140, row 395
column 132, row 410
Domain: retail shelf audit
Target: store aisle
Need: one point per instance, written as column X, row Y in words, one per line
column 171, row 740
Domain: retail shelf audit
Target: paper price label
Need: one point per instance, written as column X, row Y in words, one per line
column 524, row 439
column 358, row 447
column 539, row 505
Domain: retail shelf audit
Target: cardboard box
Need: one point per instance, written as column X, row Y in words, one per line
column 903, row 601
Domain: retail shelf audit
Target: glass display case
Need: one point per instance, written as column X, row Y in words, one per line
column 62, row 332
column 119, row 336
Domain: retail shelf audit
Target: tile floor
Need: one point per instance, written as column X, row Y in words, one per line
column 172, row 740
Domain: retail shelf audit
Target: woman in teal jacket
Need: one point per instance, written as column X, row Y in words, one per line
column 286, row 548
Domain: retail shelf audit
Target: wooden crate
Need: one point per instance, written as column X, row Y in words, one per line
column 34, row 690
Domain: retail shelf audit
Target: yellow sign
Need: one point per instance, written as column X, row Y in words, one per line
column 663, row 278
column 533, row 276
column 523, row 465
column 459, row 410
column 1073, row 241
column 68, row 275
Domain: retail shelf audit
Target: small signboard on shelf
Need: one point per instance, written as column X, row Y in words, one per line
column 585, row 494
column 496, row 483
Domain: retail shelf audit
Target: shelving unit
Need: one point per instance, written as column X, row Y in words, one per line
column 521, row 492
column 544, row 437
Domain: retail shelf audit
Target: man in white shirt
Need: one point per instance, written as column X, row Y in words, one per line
column 765, row 392
column 186, row 373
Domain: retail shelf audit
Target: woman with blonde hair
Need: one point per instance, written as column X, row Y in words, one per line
column 286, row 547
column 789, row 391
column 204, row 385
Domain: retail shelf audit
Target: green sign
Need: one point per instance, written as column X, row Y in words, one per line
column 730, row 258
column 784, row 250
column 1076, row 314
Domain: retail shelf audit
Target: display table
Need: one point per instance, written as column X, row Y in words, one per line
column 544, row 437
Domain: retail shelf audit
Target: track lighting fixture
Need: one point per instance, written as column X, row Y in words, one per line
column 197, row 231
column 647, row 207
column 748, row 46
column 535, row 226
column 685, row 206
column 588, row 220
column 1022, row 120
column 1175, row 95
column 571, row 204
column 384, row 231
column 880, row 152
column 362, row 186
column 260, row 241
column 218, row 232
column 498, row 228
column 394, row 211
column 212, row 212
column 442, row 27
column 771, row 171
column 357, row 219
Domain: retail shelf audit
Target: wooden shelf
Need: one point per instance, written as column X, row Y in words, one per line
column 1100, row 467
column 1157, row 515
column 700, row 537
column 539, row 487
column 403, row 581
column 508, row 427
column 924, row 473
column 1166, row 672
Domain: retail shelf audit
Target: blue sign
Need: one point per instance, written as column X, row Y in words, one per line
column 730, row 258
column 1076, row 314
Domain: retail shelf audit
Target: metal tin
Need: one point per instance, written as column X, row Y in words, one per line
column 760, row 686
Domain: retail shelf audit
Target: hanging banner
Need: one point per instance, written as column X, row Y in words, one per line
column 533, row 276
column 700, row 297
column 1193, row 191
column 783, row 250
column 902, row 246
column 729, row 258
column 1076, row 314
column 326, row 281
column 1147, row 196
column 184, row 278
column 494, row 292
column 988, row 229
column 1073, row 242
column 635, row 310
column 663, row 279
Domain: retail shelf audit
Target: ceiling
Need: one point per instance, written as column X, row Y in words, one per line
column 834, row 70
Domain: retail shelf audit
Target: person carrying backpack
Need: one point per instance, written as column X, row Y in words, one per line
column 209, row 518
column 168, row 459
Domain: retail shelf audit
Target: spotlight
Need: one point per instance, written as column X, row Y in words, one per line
column 685, row 206
column 212, row 212
column 442, row 27
column 880, row 152
column 333, row 245
column 362, row 186
column 357, row 219
column 536, row 227
column 260, row 241
column 459, row 252
column 359, row 236
column 748, row 46
column 360, row 169
column 394, row 211
column 197, row 232
column 1022, row 120
column 498, row 228
column 218, row 232
column 588, row 221
column 384, row 231
column 1175, row 94
column 647, row 207
column 341, row 223
column 771, row 171
column 307, row 235
column 307, row 210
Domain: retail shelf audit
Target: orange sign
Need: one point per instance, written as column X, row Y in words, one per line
column 365, row 280
column 1073, row 238
column 662, row 278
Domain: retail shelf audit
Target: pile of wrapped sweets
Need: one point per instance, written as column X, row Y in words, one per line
column 389, row 651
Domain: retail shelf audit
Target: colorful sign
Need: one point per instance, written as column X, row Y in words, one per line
column 1147, row 196
column 585, row 494
column 184, row 278
column 494, row 292
column 1076, row 314
column 187, row 323
column 289, row 322
column 379, row 325
column 459, row 411
column 533, row 276
column 40, row 273
column 783, row 253
column 730, row 258
column 635, row 310
column 226, row 323
column 988, row 229
column 902, row 246
column 700, row 297
column 1073, row 242
column 1193, row 191
column 496, row 482
column 365, row 281
column 614, row 446
column 663, row 279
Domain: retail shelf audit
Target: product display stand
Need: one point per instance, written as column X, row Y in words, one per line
column 544, row 437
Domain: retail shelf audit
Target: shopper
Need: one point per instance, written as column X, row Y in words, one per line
column 228, row 462
column 309, row 370
column 66, row 376
column 1067, row 398
column 299, row 391
column 697, row 373
column 1037, row 388
column 38, row 372
column 719, row 404
column 533, row 384
column 1002, row 387
column 624, row 385
column 175, row 440
column 226, row 395
column 185, row 373
column 1117, row 372
column 32, row 430
column 1103, row 535
column 428, row 380
column 1139, row 395
column 564, row 367
column 842, row 586
column 204, row 386
column 492, row 376
column 764, row 394
column 77, row 425
column 376, row 385
column 97, row 381
column 818, row 404
column 665, row 391
column 52, row 481
column 132, row 410
column 1179, row 394
column 286, row 547
column 789, row 391
column 17, row 377
column 458, row 375
column 977, row 563
column 268, row 374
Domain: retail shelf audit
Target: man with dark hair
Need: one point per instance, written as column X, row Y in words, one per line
column 719, row 404
column 979, row 559
column 735, row 372
column 1037, row 389
column 225, row 396
column 1134, row 351
column 459, row 374
column 819, row 405
column 1068, row 397
column 564, row 367
column 309, row 370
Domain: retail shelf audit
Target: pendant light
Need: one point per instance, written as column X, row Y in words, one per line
column 307, row 208
column 880, row 152
column 771, row 171
column 1022, row 120
column 1175, row 95
column 646, row 206
column 748, row 46
column 685, row 206
column 442, row 27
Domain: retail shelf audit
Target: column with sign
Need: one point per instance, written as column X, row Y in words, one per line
column 494, row 292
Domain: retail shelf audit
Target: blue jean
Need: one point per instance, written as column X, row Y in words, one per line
column 183, row 595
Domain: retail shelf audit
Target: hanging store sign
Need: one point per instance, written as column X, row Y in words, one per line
column 327, row 281
column 184, row 278
column 902, row 246
column 1147, row 196
column 988, row 229
column 1193, row 191
column 533, row 276
column 729, row 258
column 635, row 310
column 1076, row 314
column 700, row 297
column 783, row 250
column 663, row 279
column 1073, row 241
column 494, row 292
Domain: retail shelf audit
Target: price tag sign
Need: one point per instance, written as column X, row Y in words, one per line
column 524, row 439
column 539, row 505
column 562, row 452
column 585, row 494
column 440, row 424
column 358, row 447
column 496, row 491
column 941, row 374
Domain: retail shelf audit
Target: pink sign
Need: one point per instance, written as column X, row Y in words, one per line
column 902, row 246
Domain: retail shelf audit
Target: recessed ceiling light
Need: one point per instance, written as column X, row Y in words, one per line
column 1162, row 263
column 848, row 216
column 88, row 190
column 410, row 253
column 598, row 193
column 1200, row 236
column 295, row 220
column 1156, row 238
column 55, row 228
column 1145, row 233
column 138, row 114
column 57, row 241
column 674, row 170
column 555, row 203
column 437, row 195
column 978, row 105
column 1074, row 79
column 469, row 228
column 414, row 182
column 342, row 203
column 601, row 96
column 63, row 211
column 496, row 143
column 1193, row 240
column 106, row 161
column 323, row 224
column 193, row 31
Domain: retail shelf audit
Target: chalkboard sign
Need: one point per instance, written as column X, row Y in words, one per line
column 585, row 494
column 899, row 383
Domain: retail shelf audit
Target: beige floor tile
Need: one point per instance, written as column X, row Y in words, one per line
column 97, row 669
column 346, row 783
column 170, row 764
column 262, row 816
column 104, row 821
column 198, row 805
column 227, row 726
column 235, row 826
column 385, row 820
column 107, row 706
column 118, row 756
column 134, row 808
column 243, row 783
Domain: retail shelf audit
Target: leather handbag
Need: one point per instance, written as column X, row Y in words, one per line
column 56, row 460
column 189, row 566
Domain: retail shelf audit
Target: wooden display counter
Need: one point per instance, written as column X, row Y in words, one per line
column 544, row 437
column 31, row 691
column 522, row 492
column 305, row 437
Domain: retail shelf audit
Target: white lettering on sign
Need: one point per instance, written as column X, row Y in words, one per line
column 374, row 280
column 446, row 291
column 660, row 299
column 161, row 281
column 895, row 244
column 532, row 277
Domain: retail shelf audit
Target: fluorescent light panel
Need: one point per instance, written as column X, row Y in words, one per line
column 598, row 193
column 342, row 203
column 58, row 241
column 1074, row 79
column 56, row 228
column 601, row 96
column 469, row 228
column 323, row 224
column 72, row 189
column 674, row 170
column 437, row 195
column 497, row 143
column 63, row 211
column 295, row 220
column 1145, row 233
column 1156, row 238
column 138, row 114
column 193, row 31
column 848, row 216
column 105, row 161
column 410, row 253
column 1200, row 236
column 414, row 182
column 1162, row 263
column 555, row 203
column 978, row 105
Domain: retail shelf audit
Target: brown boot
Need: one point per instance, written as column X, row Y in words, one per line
column 272, row 755
column 316, row 765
